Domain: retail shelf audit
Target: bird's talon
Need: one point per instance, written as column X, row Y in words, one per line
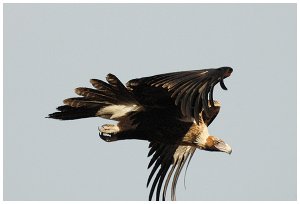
column 107, row 137
column 104, row 137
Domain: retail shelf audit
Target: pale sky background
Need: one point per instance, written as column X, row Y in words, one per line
column 50, row 49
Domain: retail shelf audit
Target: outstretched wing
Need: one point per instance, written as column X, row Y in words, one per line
column 174, row 156
column 164, row 157
column 189, row 90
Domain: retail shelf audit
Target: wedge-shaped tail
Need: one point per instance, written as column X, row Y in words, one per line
column 109, row 100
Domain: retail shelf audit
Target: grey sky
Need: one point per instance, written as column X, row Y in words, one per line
column 51, row 49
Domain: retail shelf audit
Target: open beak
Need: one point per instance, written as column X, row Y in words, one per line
column 223, row 147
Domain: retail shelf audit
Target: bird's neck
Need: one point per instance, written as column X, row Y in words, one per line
column 201, row 138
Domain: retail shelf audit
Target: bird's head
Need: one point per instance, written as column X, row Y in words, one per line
column 215, row 144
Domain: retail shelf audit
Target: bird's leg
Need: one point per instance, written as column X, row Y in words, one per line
column 108, row 132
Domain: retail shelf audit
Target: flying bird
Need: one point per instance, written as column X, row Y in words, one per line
column 172, row 111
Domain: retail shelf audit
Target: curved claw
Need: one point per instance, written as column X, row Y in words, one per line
column 106, row 138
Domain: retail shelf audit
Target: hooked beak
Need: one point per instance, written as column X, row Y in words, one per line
column 223, row 147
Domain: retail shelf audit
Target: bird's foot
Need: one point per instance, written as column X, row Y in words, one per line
column 107, row 132
column 109, row 128
column 107, row 137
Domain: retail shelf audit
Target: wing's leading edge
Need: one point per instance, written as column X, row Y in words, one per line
column 190, row 90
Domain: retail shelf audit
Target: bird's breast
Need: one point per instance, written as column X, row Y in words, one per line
column 196, row 134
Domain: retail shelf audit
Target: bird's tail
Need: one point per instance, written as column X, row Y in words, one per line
column 109, row 100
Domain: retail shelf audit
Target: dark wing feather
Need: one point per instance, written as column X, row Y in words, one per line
column 173, row 156
column 189, row 90
column 214, row 109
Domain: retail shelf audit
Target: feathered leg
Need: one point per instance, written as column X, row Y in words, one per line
column 111, row 133
column 108, row 132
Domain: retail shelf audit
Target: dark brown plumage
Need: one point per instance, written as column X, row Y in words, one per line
column 172, row 111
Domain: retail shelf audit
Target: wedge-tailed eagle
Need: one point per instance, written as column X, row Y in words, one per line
column 172, row 111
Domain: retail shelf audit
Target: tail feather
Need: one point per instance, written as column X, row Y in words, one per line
column 96, row 95
column 64, row 108
column 122, row 92
column 109, row 100
column 101, row 85
column 89, row 93
column 71, row 113
column 83, row 102
column 116, row 83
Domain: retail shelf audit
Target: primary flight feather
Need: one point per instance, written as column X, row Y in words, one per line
column 172, row 111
